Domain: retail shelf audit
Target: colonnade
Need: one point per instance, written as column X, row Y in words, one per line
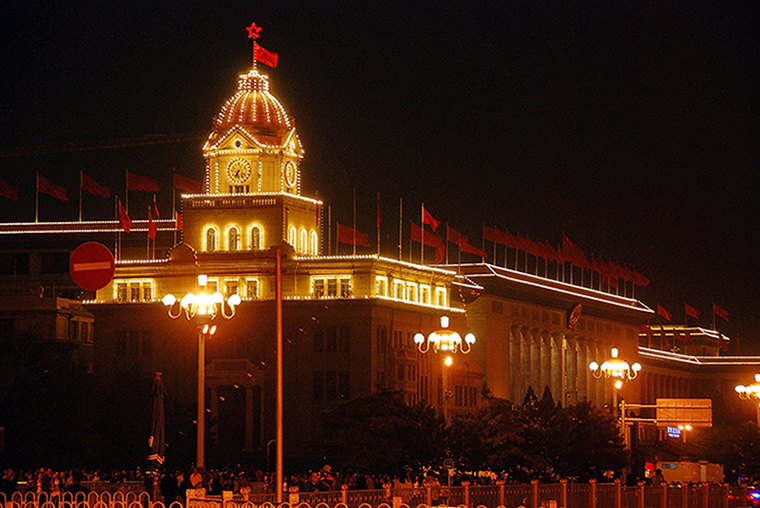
column 556, row 359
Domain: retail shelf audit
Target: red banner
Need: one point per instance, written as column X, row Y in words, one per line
column 431, row 240
column 47, row 187
column 124, row 220
column 691, row 311
column 463, row 242
column 93, row 187
column 8, row 191
column 187, row 184
column 663, row 312
column 351, row 236
column 264, row 56
column 141, row 183
column 720, row 312
column 151, row 225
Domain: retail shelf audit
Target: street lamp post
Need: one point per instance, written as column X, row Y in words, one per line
column 203, row 309
column 447, row 341
column 751, row 392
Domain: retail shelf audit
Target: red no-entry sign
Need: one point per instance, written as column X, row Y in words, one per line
column 92, row 266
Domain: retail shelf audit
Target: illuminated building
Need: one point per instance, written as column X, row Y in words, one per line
column 350, row 321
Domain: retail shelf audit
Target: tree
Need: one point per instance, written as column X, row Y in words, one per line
column 381, row 433
column 488, row 438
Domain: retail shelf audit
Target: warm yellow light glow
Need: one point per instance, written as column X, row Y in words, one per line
column 448, row 361
column 615, row 368
column 444, row 340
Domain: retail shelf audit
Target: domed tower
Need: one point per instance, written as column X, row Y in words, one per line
column 252, row 198
column 253, row 146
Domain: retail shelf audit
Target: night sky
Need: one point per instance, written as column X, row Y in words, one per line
column 632, row 128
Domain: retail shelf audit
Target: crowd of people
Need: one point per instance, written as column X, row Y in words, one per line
column 173, row 484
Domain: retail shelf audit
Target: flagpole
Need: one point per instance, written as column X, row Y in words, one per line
column 714, row 325
column 447, row 244
column 400, row 227
column 329, row 230
column 147, row 239
column 174, row 210
column 155, row 225
column 378, row 224
column 353, row 232
column 37, row 202
column 80, row 195
column 126, row 192
column 422, row 235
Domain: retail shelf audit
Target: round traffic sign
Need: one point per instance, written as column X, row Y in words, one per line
column 92, row 266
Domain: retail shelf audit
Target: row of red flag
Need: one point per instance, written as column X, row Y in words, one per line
column 125, row 222
column 568, row 252
column 684, row 336
column 351, row 236
column 88, row 184
column 691, row 312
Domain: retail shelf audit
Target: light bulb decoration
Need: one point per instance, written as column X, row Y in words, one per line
column 749, row 391
column 445, row 340
column 204, row 305
column 616, row 369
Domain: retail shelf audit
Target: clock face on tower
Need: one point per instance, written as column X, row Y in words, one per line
column 238, row 171
column 290, row 174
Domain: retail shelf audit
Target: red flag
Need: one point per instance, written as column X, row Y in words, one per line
column 93, row 187
column 431, row 240
column 264, row 56
column 351, row 236
column 178, row 222
column 463, row 242
column 648, row 331
column 155, row 209
column 428, row 219
column 187, row 184
column 691, row 311
column 141, row 183
column 8, row 191
column 151, row 225
column 572, row 253
column 663, row 312
column 720, row 312
column 124, row 220
column 47, row 187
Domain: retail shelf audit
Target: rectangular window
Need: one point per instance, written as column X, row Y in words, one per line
column 343, row 385
column 212, row 286
column 317, row 385
column 381, row 286
column 319, row 343
column 331, row 388
column 440, row 297
column 400, row 372
column 332, row 288
column 425, row 294
column 345, row 287
column 344, row 340
column 121, row 291
column 398, row 290
column 252, row 289
column 330, row 339
column 231, row 287
column 147, row 291
column 411, row 291
column 318, row 288
column 134, row 292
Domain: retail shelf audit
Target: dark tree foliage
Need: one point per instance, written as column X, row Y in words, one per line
column 382, row 434
column 489, row 438
column 737, row 448
column 530, row 401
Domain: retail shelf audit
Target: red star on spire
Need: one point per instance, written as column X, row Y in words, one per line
column 253, row 31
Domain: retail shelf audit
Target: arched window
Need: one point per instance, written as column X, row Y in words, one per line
column 233, row 238
column 292, row 236
column 303, row 244
column 256, row 238
column 211, row 239
column 314, row 248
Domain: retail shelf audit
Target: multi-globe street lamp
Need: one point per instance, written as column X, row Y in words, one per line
column 751, row 392
column 203, row 309
column 449, row 342
column 618, row 370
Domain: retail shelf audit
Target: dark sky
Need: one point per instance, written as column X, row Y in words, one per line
column 631, row 127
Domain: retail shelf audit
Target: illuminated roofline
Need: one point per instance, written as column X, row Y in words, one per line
column 252, row 194
column 378, row 258
column 698, row 360
column 523, row 279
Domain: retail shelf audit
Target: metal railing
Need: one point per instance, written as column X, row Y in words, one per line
column 534, row 495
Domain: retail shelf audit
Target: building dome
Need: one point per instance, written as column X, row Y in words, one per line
column 254, row 109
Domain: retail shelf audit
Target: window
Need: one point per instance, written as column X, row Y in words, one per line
column 252, row 289
column 331, row 287
column 331, row 388
column 330, row 339
column 381, row 286
column 211, row 239
column 411, row 292
column 256, row 238
column 398, row 290
column 440, row 297
column 212, row 286
column 425, row 294
column 314, row 247
column 292, row 236
column 303, row 245
column 133, row 291
column 233, row 238
column 231, row 287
